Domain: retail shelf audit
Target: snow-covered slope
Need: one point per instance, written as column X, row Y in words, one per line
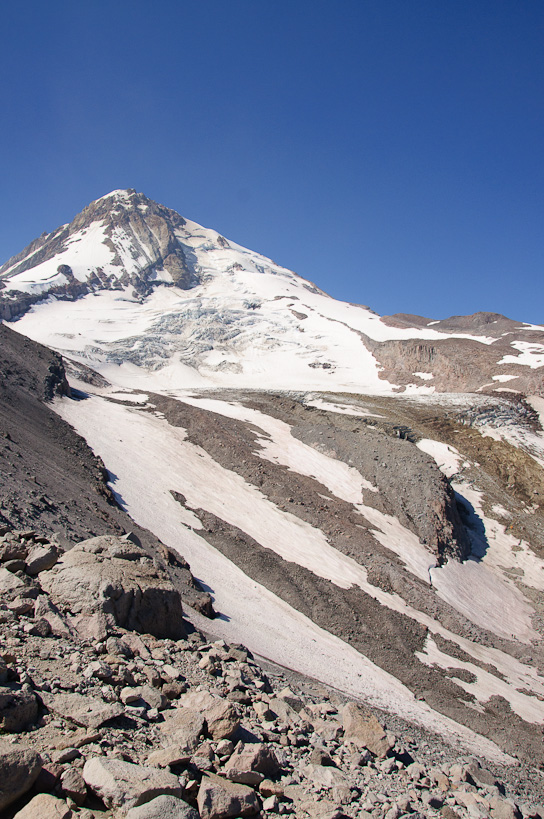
column 353, row 517
column 163, row 301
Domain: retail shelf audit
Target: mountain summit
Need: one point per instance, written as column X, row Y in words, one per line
column 159, row 292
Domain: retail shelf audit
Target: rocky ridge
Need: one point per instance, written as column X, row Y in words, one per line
column 134, row 220
column 100, row 720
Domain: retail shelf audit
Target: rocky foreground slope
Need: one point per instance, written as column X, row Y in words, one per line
column 106, row 712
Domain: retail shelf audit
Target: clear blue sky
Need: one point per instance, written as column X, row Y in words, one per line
column 389, row 150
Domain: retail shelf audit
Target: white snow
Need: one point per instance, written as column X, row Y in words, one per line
column 242, row 292
column 342, row 409
column 486, row 684
column 478, row 592
column 503, row 378
column 446, row 457
column 537, row 403
column 498, row 509
column 509, row 554
column 531, row 355
column 84, row 253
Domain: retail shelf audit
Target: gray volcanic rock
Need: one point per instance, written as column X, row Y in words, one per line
column 219, row 799
column 18, row 709
column 149, row 228
column 163, row 807
column 363, row 729
column 86, row 711
column 125, row 785
column 45, row 806
column 19, row 768
column 116, row 577
column 456, row 364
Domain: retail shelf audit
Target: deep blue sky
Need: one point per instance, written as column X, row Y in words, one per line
column 389, row 150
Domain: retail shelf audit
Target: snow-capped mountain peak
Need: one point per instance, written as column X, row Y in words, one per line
column 186, row 306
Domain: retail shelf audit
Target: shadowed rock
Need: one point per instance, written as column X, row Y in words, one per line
column 111, row 575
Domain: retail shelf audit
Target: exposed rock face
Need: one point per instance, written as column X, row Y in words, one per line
column 110, row 575
column 458, row 364
column 151, row 232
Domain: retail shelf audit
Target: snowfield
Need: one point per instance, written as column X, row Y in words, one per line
column 142, row 450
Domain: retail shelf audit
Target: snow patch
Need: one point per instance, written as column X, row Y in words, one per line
column 486, row 685
column 447, row 457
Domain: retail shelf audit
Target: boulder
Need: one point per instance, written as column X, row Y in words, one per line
column 363, row 729
column 504, row 808
column 172, row 755
column 183, row 727
column 110, row 575
column 41, row 558
column 125, row 785
column 73, row 785
column 219, row 799
column 18, row 709
column 44, row 608
column 19, row 768
column 10, row 585
column 324, row 776
column 251, row 763
column 13, row 550
column 88, row 712
column 45, row 806
column 163, row 807
column 222, row 719
column 281, row 708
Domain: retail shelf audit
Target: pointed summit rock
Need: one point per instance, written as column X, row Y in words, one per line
column 121, row 240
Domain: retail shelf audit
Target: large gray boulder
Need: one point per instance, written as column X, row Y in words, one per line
column 125, row 785
column 117, row 578
column 18, row 709
column 163, row 807
column 251, row 763
column 183, row 727
column 89, row 712
column 19, row 768
column 363, row 729
column 45, row 806
column 220, row 799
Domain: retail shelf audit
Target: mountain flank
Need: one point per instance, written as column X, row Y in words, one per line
column 262, row 552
